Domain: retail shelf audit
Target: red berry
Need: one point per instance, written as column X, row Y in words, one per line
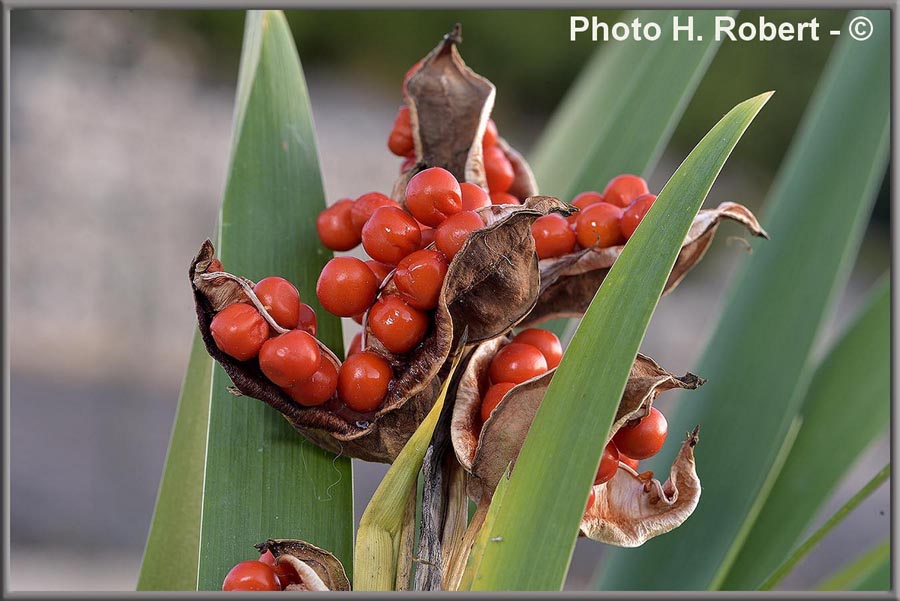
column 307, row 321
column 420, row 277
column 517, row 362
column 281, row 299
column 452, row 234
column 473, row 196
column 492, row 398
column 355, row 344
column 391, row 234
column 623, row 189
column 407, row 164
column 365, row 206
column 632, row 463
column 504, row 198
column 335, row 226
column 251, row 575
column 634, row 214
column 363, row 381
column 318, row 388
column 545, row 341
column 598, row 225
column 427, row 235
column 490, row 134
column 397, row 325
column 498, row 170
column 239, row 331
column 381, row 270
column 591, row 498
column 289, row 358
column 645, row 438
column 400, row 142
column 286, row 574
column 433, row 195
column 583, row 201
column 214, row 265
column 552, row 236
column 609, row 463
column 346, row 286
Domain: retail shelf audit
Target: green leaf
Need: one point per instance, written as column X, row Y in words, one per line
column 551, row 480
column 173, row 545
column 262, row 479
column 850, row 386
column 810, row 543
column 758, row 363
column 871, row 571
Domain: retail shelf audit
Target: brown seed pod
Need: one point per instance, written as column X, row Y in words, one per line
column 319, row 570
column 568, row 283
column 486, row 450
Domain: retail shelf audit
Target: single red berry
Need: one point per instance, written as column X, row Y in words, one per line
column 286, row 574
column 365, row 206
column 545, row 341
column 397, row 325
column 346, row 286
column 517, row 362
column 609, row 463
column 490, row 134
column 473, row 196
column 420, row 277
column 632, row 463
column 391, row 234
column 452, row 234
column 598, row 225
column 583, row 201
column 552, row 236
column 504, row 198
column 433, row 195
column 239, row 331
column 355, row 344
column 289, row 358
column 623, row 189
column 251, row 575
column 492, row 398
column 281, row 299
column 363, row 381
column 400, row 142
column 634, row 214
column 381, row 270
column 335, row 226
column 591, row 498
column 317, row 388
column 645, row 438
column 307, row 321
column 498, row 170
column 407, row 164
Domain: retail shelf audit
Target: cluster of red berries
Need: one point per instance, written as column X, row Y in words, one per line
column 531, row 353
column 603, row 220
column 260, row 575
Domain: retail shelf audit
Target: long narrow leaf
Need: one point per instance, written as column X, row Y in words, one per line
column 851, row 386
column 537, row 523
column 758, row 363
column 866, row 572
column 262, row 480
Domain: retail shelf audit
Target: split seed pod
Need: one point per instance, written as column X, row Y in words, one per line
column 319, row 570
column 568, row 283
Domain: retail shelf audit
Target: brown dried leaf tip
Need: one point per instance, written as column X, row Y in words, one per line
column 318, row 569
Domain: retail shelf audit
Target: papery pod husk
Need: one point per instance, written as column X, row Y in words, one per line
column 326, row 566
column 491, row 284
column 569, row 283
column 449, row 106
column 486, row 450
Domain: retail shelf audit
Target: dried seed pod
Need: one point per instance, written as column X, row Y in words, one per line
column 568, row 283
column 319, row 570
column 485, row 450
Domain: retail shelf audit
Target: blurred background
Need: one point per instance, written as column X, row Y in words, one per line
column 120, row 132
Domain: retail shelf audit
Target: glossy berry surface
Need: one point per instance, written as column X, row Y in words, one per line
column 545, row 341
column 517, row 362
column 286, row 574
column 552, row 236
column 504, row 198
column 281, row 299
column 419, row 278
column 400, row 141
column 289, row 358
column 363, row 381
column 598, row 225
column 346, row 286
column 307, row 321
column 498, row 170
column 473, row 196
column 427, row 235
column 433, row 195
column 583, row 201
column 380, row 270
column 645, row 438
column 391, row 234
column 398, row 326
column 365, row 206
column 492, row 398
column 251, row 575
column 317, row 388
column 335, row 226
column 490, row 134
column 609, row 463
column 239, row 331
column 355, row 344
column 634, row 214
column 450, row 236
column 623, row 189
